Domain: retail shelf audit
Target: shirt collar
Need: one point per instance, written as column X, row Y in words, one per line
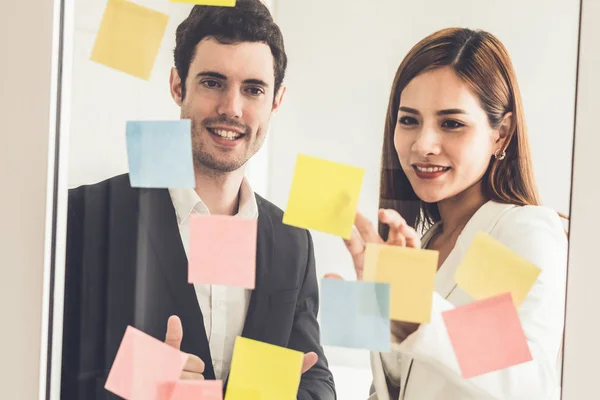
column 186, row 200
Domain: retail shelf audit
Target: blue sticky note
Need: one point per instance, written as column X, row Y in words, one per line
column 355, row 314
column 160, row 154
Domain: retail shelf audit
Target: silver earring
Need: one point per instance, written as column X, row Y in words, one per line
column 500, row 156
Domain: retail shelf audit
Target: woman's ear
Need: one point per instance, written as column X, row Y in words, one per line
column 504, row 129
column 175, row 85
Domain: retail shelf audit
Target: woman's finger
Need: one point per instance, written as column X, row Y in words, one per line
column 412, row 237
column 400, row 233
column 355, row 244
column 395, row 222
column 366, row 229
column 356, row 247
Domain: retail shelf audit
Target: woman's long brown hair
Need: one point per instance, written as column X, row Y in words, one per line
column 483, row 63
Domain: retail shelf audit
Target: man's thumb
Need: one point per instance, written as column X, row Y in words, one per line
column 310, row 359
column 174, row 332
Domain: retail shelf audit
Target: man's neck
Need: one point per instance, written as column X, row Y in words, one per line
column 220, row 192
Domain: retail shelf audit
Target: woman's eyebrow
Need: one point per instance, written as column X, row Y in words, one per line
column 450, row 111
column 409, row 110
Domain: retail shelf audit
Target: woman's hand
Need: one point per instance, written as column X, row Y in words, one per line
column 400, row 234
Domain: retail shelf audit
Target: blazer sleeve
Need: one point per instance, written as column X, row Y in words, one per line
column 317, row 382
column 72, row 301
column 536, row 234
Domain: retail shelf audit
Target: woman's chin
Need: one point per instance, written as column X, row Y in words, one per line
column 429, row 196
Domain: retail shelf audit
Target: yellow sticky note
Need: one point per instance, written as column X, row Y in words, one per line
column 263, row 371
column 221, row 3
column 490, row 268
column 324, row 196
column 411, row 275
column 129, row 38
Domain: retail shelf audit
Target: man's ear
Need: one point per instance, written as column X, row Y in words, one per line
column 504, row 130
column 278, row 98
column 175, row 85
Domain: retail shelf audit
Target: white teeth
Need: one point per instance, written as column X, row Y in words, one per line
column 226, row 134
column 431, row 169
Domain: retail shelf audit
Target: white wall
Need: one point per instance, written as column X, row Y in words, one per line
column 103, row 99
column 28, row 35
column 582, row 347
column 343, row 55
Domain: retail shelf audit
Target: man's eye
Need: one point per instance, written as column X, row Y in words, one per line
column 255, row 91
column 407, row 121
column 210, row 83
column 452, row 124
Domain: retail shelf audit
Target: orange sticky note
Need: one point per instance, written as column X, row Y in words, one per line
column 324, row 196
column 411, row 275
column 142, row 364
column 129, row 38
column 192, row 390
column 221, row 3
column 262, row 371
column 487, row 335
column 222, row 250
column 490, row 268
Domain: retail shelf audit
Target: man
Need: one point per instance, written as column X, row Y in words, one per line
column 126, row 247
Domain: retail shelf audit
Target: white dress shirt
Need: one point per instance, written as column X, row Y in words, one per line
column 223, row 308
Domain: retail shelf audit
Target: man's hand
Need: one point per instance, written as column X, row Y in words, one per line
column 310, row 359
column 194, row 367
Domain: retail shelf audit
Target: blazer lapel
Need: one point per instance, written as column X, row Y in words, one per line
column 258, row 307
column 483, row 220
column 158, row 219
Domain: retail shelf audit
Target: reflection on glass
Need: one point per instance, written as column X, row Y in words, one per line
column 456, row 164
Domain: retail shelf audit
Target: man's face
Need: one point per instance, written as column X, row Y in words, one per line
column 229, row 99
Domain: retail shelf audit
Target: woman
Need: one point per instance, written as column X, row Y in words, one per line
column 455, row 162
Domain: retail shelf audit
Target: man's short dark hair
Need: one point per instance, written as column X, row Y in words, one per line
column 248, row 21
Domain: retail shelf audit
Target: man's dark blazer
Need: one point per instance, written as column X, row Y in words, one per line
column 126, row 265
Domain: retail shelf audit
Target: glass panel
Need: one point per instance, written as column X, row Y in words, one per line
column 179, row 111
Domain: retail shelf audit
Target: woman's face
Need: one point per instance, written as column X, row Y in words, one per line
column 442, row 136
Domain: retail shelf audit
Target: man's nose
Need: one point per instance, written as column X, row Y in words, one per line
column 230, row 104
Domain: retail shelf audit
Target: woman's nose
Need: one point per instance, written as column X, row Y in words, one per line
column 426, row 142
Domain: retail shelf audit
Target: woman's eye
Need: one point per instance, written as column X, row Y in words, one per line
column 210, row 83
column 407, row 121
column 451, row 124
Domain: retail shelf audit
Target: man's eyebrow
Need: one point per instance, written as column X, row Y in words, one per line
column 211, row 74
column 258, row 82
column 218, row 75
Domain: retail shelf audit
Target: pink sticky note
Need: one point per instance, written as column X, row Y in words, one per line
column 191, row 390
column 487, row 335
column 222, row 250
column 141, row 365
